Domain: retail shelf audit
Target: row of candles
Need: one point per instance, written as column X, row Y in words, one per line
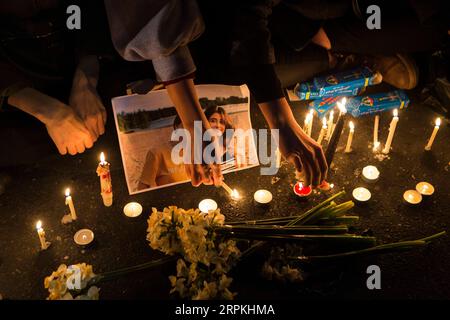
column 85, row 236
column 328, row 126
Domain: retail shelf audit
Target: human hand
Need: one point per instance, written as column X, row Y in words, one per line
column 67, row 131
column 295, row 145
column 304, row 153
column 87, row 104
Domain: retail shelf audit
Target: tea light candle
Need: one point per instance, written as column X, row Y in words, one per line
column 302, row 190
column 206, row 205
column 348, row 147
column 392, row 127
column 361, row 194
column 425, row 188
column 263, row 196
column 370, row 173
column 69, row 203
column 412, row 197
column 323, row 130
column 83, row 237
column 132, row 209
column 433, row 134
column 103, row 171
column 41, row 234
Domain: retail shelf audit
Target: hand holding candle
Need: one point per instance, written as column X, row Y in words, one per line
column 433, row 134
column 41, row 234
column 348, row 147
column 69, row 202
column 105, row 181
column 392, row 127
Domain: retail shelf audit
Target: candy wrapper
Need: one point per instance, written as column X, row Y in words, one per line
column 345, row 83
column 365, row 104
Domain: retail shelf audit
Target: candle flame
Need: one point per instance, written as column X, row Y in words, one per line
column 438, row 122
column 341, row 105
column 39, row 224
column 67, row 192
column 308, row 118
column 351, row 125
column 102, row 157
column 395, row 112
column 324, row 122
column 331, row 185
column 235, row 194
column 311, row 112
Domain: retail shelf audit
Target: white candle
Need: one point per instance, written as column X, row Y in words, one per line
column 361, row 194
column 433, row 135
column 412, row 197
column 311, row 119
column 262, row 196
column 69, row 202
column 370, row 173
column 83, row 237
column 392, row 127
column 348, row 147
column 41, row 234
column 103, row 171
column 278, row 158
column 425, row 188
column 330, row 125
column 376, row 124
column 306, row 125
column 323, row 130
column 207, row 205
column 132, row 209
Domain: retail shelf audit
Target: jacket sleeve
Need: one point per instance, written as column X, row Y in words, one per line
column 156, row 30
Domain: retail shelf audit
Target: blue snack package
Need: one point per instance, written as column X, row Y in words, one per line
column 364, row 104
column 345, row 83
column 373, row 103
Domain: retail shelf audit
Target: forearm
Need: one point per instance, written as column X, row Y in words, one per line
column 277, row 113
column 87, row 71
column 185, row 100
column 37, row 104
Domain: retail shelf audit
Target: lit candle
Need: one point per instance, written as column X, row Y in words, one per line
column 323, row 130
column 376, row 124
column 69, row 202
column 311, row 119
column 392, row 127
column 302, row 190
column 425, row 188
column 83, row 237
column 348, row 147
column 263, row 196
column 412, row 197
column 41, row 234
column 105, row 181
column 361, row 194
column 278, row 158
column 306, row 127
column 376, row 146
column 234, row 194
column 132, row 209
column 433, row 135
column 330, row 125
column 370, row 173
column 207, row 205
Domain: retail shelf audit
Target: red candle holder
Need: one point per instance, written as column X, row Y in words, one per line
column 301, row 190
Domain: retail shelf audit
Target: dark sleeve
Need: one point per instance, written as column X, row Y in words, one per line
column 252, row 54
